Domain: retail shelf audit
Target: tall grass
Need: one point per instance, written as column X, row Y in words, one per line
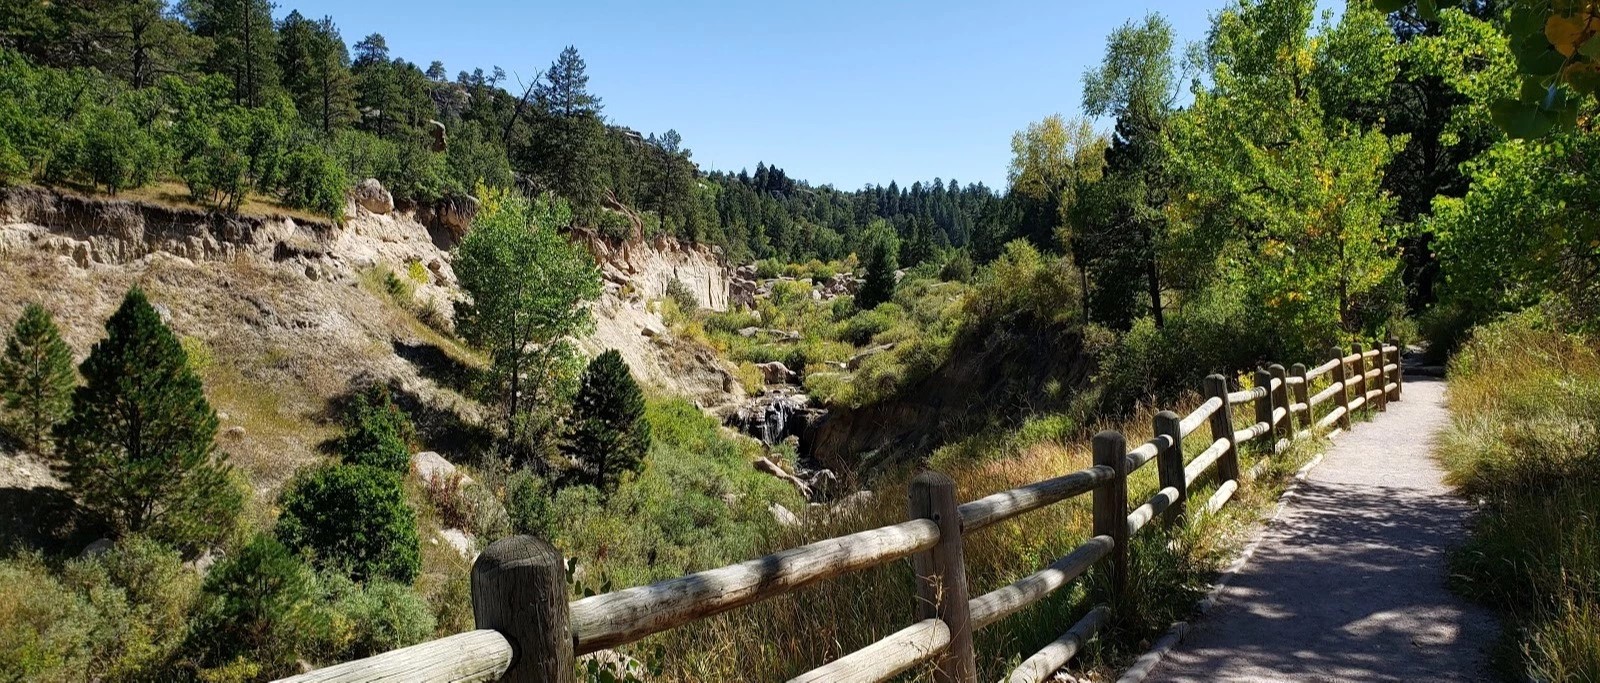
column 1171, row 568
column 1523, row 441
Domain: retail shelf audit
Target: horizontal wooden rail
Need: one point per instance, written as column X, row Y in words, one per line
column 1325, row 394
column 1137, row 457
column 1247, row 395
column 1323, row 369
column 1251, row 432
column 1200, row 416
column 612, row 619
column 998, row 507
column 524, row 634
column 1060, row 651
column 482, row 655
column 886, row 658
column 1153, row 507
column 1331, row 418
column 1203, row 461
column 1003, row 602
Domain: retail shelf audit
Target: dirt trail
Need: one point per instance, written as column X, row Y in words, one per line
column 1348, row 584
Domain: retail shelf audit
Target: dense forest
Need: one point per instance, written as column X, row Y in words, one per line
column 1418, row 171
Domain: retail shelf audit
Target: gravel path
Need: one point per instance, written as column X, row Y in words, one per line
column 1349, row 583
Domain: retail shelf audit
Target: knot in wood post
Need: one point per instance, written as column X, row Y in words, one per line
column 519, row 588
column 942, row 575
column 1169, row 463
column 1111, row 506
column 1222, row 428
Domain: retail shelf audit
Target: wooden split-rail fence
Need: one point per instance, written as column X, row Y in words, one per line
column 528, row 631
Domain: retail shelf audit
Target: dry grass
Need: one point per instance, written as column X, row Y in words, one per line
column 174, row 194
column 791, row 634
column 1523, row 441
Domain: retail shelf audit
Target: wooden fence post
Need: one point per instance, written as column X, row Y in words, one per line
column 1399, row 372
column 1169, row 463
column 1222, row 428
column 519, row 588
column 1383, row 377
column 1280, row 399
column 1264, row 403
column 1344, row 393
column 1302, row 395
column 1111, row 506
column 1359, row 371
column 942, row 575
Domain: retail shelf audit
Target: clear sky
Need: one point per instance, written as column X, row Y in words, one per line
column 847, row 93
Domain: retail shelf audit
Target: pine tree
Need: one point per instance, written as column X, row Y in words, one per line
column 138, row 446
column 568, row 149
column 36, row 376
column 246, row 46
column 609, row 433
column 879, row 284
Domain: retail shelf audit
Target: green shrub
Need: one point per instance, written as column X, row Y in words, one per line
column 36, row 376
column 376, row 432
column 353, row 518
column 681, row 295
column 529, row 504
column 957, row 268
column 314, row 180
column 257, row 609
column 157, row 474
column 609, row 436
column 364, row 155
column 119, row 616
column 362, row 620
column 117, row 154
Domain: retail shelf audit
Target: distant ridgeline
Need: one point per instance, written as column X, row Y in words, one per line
column 235, row 106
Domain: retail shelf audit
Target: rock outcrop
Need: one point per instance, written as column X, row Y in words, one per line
column 370, row 195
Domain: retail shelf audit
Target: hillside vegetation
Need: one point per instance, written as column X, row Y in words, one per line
column 330, row 416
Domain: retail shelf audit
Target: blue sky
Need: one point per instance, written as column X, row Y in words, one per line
column 846, row 93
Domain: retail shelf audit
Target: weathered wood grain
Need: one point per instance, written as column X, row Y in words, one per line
column 1222, row 495
column 519, row 588
column 1157, row 504
column 941, row 574
column 621, row 617
column 886, row 658
column 1004, row 602
column 1060, row 651
column 1222, row 427
column 998, row 507
column 1111, row 505
column 1197, row 467
column 1169, row 465
column 1146, row 452
column 1200, row 415
column 482, row 655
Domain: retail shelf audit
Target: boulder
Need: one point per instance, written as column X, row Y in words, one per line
column 97, row 548
column 775, row 372
column 235, row 433
column 370, row 195
column 455, row 213
column 855, row 361
column 436, row 130
column 462, row 542
column 783, row 515
column 431, row 466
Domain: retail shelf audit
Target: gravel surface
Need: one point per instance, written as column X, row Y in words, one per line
column 1349, row 582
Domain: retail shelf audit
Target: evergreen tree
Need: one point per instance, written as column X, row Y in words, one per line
column 36, row 376
column 567, row 151
column 138, row 446
column 244, row 44
column 376, row 432
column 878, row 286
column 316, row 71
column 609, row 434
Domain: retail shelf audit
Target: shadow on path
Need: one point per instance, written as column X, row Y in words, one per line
column 1349, row 583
